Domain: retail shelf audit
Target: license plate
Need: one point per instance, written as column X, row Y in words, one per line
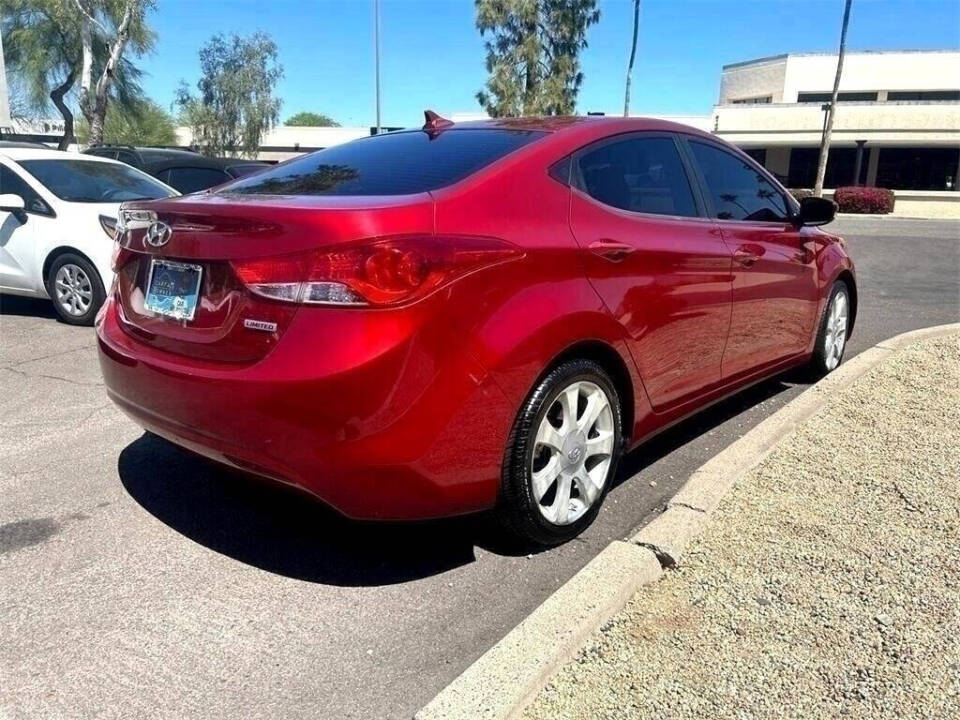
column 173, row 289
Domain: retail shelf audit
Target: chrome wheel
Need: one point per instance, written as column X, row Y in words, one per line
column 73, row 289
column 572, row 453
column 835, row 337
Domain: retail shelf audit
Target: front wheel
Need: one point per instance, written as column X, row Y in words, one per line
column 75, row 288
column 562, row 455
column 832, row 337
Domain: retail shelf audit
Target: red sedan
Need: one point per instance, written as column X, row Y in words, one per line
column 469, row 316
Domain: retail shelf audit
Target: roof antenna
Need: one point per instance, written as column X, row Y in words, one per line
column 434, row 123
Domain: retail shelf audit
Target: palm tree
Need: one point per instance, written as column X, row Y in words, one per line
column 633, row 55
column 832, row 107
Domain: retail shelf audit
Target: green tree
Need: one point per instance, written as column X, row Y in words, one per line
column 533, row 54
column 107, row 27
column 236, row 105
column 311, row 119
column 44, row 48
column 145, row 123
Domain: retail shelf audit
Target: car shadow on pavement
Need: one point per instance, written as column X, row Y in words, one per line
column 286, row 531
column 701, row 423
column 26, row 307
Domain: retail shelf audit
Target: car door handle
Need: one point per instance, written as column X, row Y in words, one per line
column 611, row 250
column 745, row 257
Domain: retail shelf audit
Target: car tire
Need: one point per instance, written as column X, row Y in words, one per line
column 833, row 332
column 75, row 288
column 579, row 451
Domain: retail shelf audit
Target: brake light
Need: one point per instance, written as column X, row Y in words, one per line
column 374, row 273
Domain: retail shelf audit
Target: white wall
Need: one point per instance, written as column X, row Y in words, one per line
column 873, row 71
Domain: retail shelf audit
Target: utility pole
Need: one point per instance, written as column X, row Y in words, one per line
column 633, row 54
column 828, row 126
column 376, row 43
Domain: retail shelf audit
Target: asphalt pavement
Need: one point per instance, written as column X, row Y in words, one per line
column 137, row 580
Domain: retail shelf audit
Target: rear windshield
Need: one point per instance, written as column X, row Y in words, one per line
column 92, row 181
column 392, row 164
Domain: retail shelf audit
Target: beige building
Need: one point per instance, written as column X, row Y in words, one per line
column 897, row 123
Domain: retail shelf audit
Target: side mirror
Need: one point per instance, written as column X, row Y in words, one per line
column 815, row 211
column 11, row 203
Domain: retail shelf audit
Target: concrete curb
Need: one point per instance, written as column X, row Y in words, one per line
column 500, row 684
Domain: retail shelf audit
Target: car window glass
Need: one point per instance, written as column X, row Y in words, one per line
column 94, row 181
column 128, row 157
column 395, row 163
column 638, row 174
column 739, row 191
column 193, row 179
column 12, row 183
column 239, row 171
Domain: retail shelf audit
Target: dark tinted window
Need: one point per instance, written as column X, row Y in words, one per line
column 191, row 179
column 94, row 180
column 738, row 190
column 391, row 164
column 239, row 171
column 12, row 183
column 128, row 157
column 923, row 95
column 822, row 97
column 639, row 174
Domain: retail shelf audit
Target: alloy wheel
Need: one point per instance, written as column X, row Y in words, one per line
column 572, row 453
column 836, row 330
column 73, row 289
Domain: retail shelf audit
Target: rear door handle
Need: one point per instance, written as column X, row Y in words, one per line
column 610, row 250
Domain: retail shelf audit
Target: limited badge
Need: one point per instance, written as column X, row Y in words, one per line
column 260, row 325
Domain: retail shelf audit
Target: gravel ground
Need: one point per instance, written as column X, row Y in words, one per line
column 828, row 584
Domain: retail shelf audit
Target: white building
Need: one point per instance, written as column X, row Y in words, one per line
column 897, row 123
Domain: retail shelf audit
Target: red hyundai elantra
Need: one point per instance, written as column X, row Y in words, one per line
column 468, row 316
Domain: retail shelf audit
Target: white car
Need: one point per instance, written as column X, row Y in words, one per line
column 58, row 212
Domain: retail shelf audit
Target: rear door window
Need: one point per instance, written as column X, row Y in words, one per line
column 193, row 179
column 738, row 190
column 640, row 174
column 396, row 163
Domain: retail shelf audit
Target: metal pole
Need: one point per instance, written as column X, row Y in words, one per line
column 376, row 42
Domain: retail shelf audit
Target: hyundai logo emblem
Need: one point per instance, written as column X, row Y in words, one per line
column 158, row 234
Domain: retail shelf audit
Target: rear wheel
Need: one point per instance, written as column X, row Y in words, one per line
column 832, row 338
column 75, row 288
column 562, row 455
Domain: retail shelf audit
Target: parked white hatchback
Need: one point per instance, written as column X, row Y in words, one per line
column 58, row 213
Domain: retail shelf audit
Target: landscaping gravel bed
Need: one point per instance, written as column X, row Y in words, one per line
column 827, row 585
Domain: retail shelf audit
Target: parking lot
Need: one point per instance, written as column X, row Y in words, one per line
column 134, row 576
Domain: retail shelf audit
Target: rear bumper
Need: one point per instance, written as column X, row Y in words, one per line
column 409, row 428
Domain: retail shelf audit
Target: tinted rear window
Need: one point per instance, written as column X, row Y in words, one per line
column 393, row 164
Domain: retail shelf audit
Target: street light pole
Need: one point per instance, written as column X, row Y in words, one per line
column 376, row 43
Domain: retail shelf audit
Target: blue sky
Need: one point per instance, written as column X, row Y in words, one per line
column 433, row 57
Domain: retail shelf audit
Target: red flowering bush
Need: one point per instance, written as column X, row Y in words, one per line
column 864, row 200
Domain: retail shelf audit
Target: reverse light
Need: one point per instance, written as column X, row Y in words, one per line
column 376, row 273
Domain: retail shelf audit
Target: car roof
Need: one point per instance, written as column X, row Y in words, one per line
column 158, row 158
column 5, row 144
column 558, row 123
column 18, row 153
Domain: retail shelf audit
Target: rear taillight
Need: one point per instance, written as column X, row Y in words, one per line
column 377, row 273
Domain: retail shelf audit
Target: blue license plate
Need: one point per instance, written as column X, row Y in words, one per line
column 173, row 289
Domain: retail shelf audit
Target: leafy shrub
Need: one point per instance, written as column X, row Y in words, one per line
column 864, row 200
column 800, row 193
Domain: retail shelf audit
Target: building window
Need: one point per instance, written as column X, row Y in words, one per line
column 923, row 95
column 822, row 97
column 759, row 100
column 841, row 163
column 905, row 168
